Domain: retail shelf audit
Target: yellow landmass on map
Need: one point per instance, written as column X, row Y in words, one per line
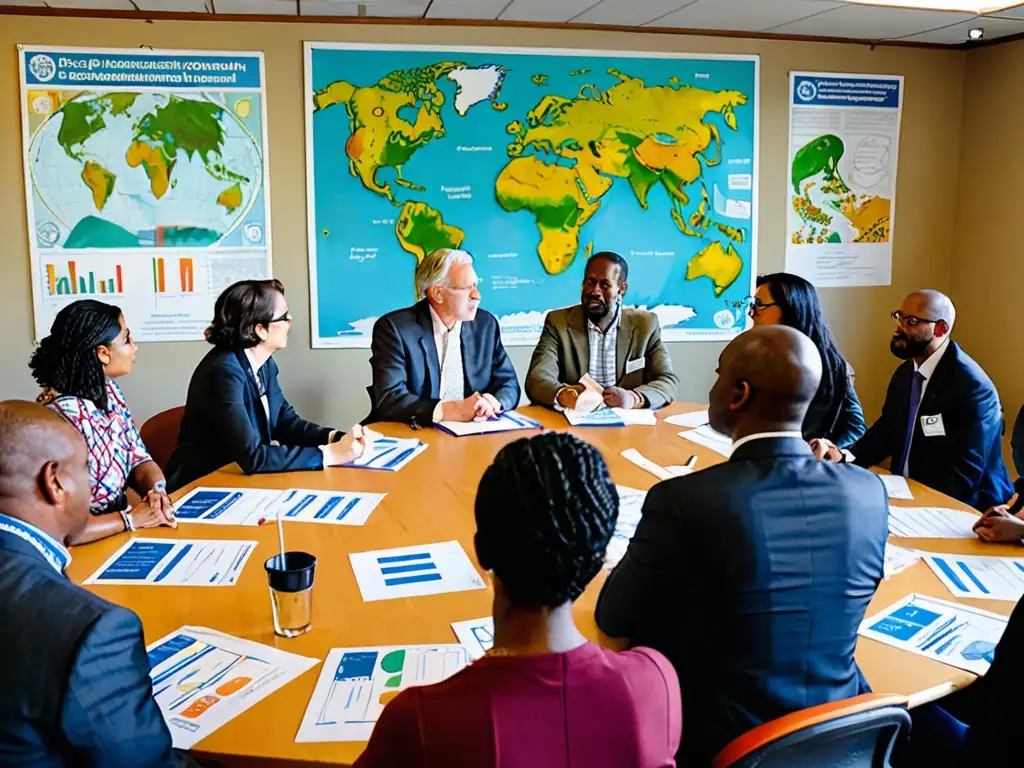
column 722, row 265
column 100, row 181
column 552, row 195
column 869, row 216
column 421, row 229
column 155, row 164
column 379, row 138
column 230, row 198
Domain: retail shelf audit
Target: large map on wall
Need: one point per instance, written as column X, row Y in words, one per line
column 531, row 160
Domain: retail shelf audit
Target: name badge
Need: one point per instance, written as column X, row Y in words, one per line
column 635, row 365
column 932, row 426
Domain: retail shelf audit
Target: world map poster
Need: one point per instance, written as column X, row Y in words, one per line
column 531, row 160
column 146, row 182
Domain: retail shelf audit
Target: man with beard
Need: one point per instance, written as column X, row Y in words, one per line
column 942, row 423
column 618, row 346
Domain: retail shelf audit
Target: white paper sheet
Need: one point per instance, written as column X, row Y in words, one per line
column 427, row 569
column 509, row 421
column 957, row 635
column 897, row 487
column 476, row 635
column 225, row 506
column 356, row 683
column 332, row 507
column 612, row 417
column 175, row 563
column 707, row 437
column 203, row 678
column 931, row 523
column 389, row 454
column 988, row 578
column 689, row 420
column 631, row 503
column 634, row 456
column 898, row 559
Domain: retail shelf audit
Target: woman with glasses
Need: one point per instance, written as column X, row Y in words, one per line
column 236, row 411
column 88, row 347
column 835, row 414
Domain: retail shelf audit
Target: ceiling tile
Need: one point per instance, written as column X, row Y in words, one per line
column 744, row 15
column 466, row 9
column 34, row 3
column 379, row 8
column 632, row 13
column 175, row 6
column 93, row 5
column 994, row 28
column 546, row 10
column 872, row 22
column 256, row 7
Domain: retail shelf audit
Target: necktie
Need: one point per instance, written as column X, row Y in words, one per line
column 901, row 463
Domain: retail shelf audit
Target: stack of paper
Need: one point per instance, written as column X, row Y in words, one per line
column 203, row 679
column 250, row 506
column 612, row 417
column 631, row 503
column 707, row 437
column 175, row 563
column 931, row 523
column 389, row 454
column 957, row 635
column 689, row 420
column 990, row 578
column 505, row 422
column 357, row 683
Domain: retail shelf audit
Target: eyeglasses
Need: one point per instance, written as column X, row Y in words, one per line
column 911, row 320
column 285, row 318
column 463, row 288
column 756, row 305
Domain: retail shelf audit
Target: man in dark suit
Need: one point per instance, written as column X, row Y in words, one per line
column 1005, row 522
column 753, row 576
column 619, row 347
column 441, row 359
column 75, row 682
column 942, row 423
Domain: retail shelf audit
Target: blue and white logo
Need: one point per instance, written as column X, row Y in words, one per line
column 253, row 233
column 43, row 67
column 725, row 319
column 806, row 91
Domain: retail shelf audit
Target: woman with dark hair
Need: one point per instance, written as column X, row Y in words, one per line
column 543, row 695
column 235, row 410
column 88, row 347
column 835, row 414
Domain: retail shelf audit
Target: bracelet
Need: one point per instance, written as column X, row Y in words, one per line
column 129, row 525
column 160, row 485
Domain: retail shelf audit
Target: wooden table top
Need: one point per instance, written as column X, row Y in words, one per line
column 431, row 500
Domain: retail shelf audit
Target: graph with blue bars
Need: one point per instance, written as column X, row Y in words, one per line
column 408, row 569
column 428, row 569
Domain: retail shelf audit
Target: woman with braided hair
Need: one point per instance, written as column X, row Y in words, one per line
column 88, row 347
column 543, row 695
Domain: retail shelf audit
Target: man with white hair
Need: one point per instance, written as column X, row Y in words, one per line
column 942, row 422
column 442, row 358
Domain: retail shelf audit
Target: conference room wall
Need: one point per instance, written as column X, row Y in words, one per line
column 328, row 386
column 988, row 257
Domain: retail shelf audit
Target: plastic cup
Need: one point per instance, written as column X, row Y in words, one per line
column 291, row 592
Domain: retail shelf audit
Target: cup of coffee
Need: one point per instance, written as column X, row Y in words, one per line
column 291, row 592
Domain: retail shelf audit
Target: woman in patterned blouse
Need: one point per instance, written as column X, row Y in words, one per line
column 88, row 347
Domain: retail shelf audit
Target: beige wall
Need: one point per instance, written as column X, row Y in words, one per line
column 328, row 385
column 988, row 264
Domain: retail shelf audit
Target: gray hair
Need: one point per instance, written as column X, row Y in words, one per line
column 435, row 268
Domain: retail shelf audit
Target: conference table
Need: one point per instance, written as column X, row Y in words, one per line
column 431, row 500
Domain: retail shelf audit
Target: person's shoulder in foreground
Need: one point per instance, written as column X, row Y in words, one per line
column 79, row 693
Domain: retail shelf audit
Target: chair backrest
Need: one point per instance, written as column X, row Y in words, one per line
column 160, row 434
column 855, row 733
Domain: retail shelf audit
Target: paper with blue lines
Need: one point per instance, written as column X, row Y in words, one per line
column 251, row 506
column 958, row 635
column 389, row 454
column 332, row 507
column 225, row 506
column 202, row 679
column 988, row 578
column 428, row 569
column 475, row 635
column 175, row 563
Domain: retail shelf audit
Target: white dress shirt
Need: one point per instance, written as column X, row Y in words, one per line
column 251, row 357
column 56, row 554
column 449, row 356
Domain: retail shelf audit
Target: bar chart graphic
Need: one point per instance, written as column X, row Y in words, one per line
column 72, row 281
column 429, row 569
column 186, row 275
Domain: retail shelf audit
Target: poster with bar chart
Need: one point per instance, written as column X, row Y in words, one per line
column 146, row 181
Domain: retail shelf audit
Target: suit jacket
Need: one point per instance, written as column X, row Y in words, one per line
column 76, row 687
column 1017, row 446
column 225, row 422
column 562, row 356
column 967, row 461
column 838, row 418
column 407, row 373
column 752, row 577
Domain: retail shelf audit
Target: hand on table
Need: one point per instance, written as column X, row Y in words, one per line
column 568, row 395
column 617, row 397
column 494, row 404
column 473, row 408
column 350, row 447
column 155, row 510
column 998, row 525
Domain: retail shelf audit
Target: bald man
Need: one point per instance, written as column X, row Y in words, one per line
column 75, row 677
column 753, row 576
column 942, row 422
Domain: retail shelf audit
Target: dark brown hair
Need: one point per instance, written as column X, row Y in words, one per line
column 239, row 310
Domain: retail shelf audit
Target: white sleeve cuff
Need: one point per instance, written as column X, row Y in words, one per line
column 438, row 414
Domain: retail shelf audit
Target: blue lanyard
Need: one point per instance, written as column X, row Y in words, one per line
column 55, row 555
